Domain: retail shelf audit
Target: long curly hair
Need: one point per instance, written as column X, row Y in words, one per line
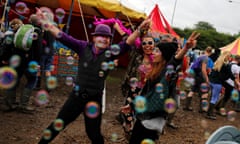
column 222, row 59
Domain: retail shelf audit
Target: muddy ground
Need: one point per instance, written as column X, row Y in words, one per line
column 18, row 128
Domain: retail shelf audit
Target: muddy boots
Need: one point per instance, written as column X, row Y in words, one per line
column 188, row 104
column 210, row 113
column 9, row 101
column 24, row 100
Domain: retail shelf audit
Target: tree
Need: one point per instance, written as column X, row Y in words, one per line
column 204, row 26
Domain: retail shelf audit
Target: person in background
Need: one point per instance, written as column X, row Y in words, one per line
column 91, row 76
column 229, row 85
column 200, row 68
column 220, row 73
column 47, row 53
column 148, row 123
column 23, row 68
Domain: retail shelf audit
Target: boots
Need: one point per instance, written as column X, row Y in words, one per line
column 237, row 107
column 24, row 99
column 38, row 85
column 187, row 104
column 9, row 101
column 210, row 114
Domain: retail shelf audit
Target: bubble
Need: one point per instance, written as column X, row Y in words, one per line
column 191, row 72
column 76, row 88
column 204, row 87
column 235, row 95
column 140, row 104
column 46, row 10
column 223, row 111
column 33, row 67
column 15, row 61
column 204, row 124
column 85, row 64
column 69, row 81
column 147, row 141
column 114, row 137
column 70, row 60
column 12, row 1
column 104, row 66
column 42, row 97
column 133, row 82
column 108, row 54
column 52, row 67
column 34, row 36
column 46, row 50
column 20, row 7
column 45, row 26
column 8, row 77
column 189, row 81
column 115, row 49
column 101, row 74
column 92, row 109
column 60, row 13
column 206, row 135
column 59, row 35
column 47, row 134
column 182, row 95
column 231, row 116
column 204, row 104
column 111, row 65
column 9, row 40
column 170, row 105
column 170, row 68
column 159, row 88
column 51, row 82
column 58, row 124
column 90, row 26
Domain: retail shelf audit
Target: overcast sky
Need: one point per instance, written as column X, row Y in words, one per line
column 222, row 14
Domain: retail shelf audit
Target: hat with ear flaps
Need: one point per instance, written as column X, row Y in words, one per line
column 168, row 49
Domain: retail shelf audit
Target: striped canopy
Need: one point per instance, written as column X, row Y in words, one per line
column 233, row 47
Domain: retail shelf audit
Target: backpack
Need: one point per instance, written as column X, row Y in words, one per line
column 23, row 38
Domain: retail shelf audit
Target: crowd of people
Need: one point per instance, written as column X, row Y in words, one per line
column 159, row 71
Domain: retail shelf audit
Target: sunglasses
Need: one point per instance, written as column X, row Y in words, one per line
column 147, row 43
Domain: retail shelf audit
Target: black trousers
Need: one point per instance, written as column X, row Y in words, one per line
column 140, row 133
column 73, row 107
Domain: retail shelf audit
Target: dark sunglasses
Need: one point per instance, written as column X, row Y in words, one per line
column 147, row 42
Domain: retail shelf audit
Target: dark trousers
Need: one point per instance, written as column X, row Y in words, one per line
column 72, row 108
column 226, row 97
column 140, row 133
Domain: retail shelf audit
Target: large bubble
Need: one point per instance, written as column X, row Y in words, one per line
column 42, row 97
column 92, row 109
column 8, row 77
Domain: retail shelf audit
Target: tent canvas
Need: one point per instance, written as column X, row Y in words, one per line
column 233, row 47
column 98, row 8
column 159, row 22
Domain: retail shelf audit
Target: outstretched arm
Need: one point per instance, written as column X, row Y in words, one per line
column 191, row 42
column 144, row 26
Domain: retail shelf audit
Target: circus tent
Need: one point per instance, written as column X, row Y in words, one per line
column 233, row 47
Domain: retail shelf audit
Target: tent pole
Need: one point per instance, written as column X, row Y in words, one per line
column 69, row 17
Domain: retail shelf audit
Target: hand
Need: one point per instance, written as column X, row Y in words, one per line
column 144, row 26
column 41, row 16
column 192, row 40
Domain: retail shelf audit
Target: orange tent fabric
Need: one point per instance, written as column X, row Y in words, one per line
column 233, row 47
